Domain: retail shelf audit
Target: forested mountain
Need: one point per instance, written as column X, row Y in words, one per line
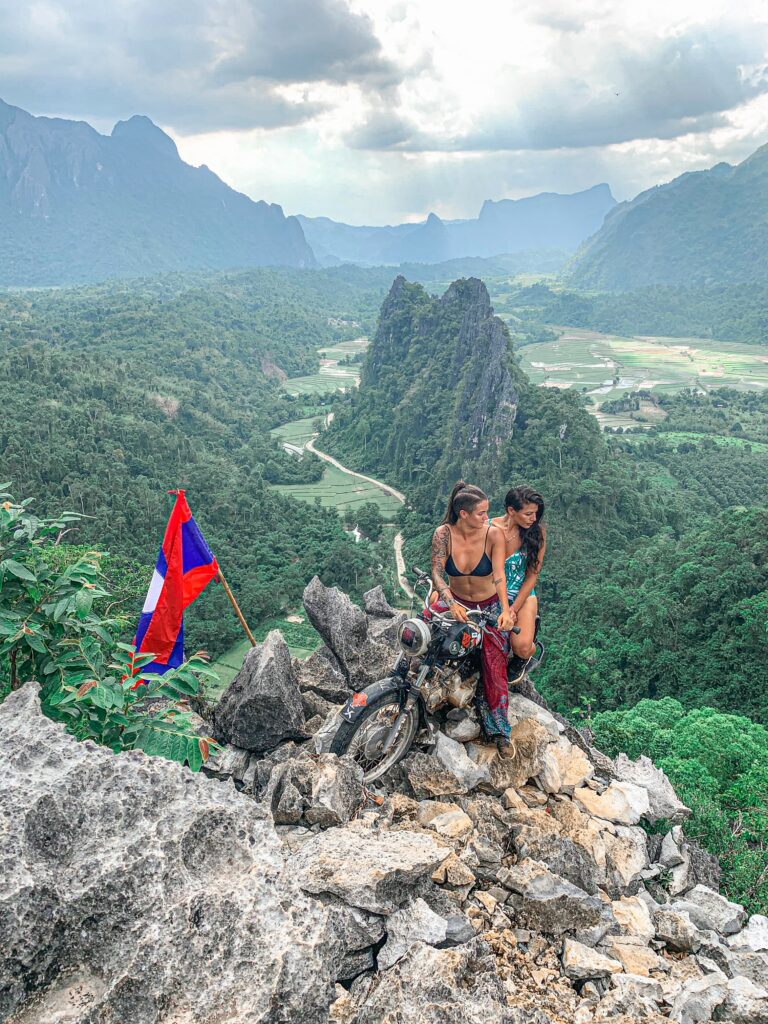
column 547, row 221
column 703, row 228
column 77, row 206
column 114, row 394
column 728, row 312
column 643, row 537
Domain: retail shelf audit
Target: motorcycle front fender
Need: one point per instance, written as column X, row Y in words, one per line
column 358, row 702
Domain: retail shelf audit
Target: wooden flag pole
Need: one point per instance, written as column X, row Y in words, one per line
column 236, row 606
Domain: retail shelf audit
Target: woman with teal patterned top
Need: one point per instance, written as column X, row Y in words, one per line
column 526, row 541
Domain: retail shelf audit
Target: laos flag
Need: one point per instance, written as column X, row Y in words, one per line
column 185, row 567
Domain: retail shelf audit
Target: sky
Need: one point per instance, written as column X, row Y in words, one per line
column 380, row 111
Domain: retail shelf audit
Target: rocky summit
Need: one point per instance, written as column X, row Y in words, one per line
column 274, row 887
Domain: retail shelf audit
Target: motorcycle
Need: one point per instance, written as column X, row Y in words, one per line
column 438, row 667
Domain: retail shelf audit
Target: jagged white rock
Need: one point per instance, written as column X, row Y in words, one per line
column 406, row 927
column 622, row 802
column 663, row 801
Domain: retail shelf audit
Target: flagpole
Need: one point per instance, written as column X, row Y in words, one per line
column 236, row 606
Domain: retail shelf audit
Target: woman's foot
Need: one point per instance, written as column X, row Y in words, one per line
column 503, row 746
column 516, row 669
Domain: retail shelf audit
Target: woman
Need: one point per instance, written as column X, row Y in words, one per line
column 525, row 540
column 468, row 572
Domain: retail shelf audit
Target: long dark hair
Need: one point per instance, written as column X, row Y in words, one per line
column 531, row 540
column 463, row 496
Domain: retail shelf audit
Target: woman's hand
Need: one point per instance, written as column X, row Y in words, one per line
column 459, row 612
column 507, row 619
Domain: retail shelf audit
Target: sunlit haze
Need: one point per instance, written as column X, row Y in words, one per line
column 381, row 111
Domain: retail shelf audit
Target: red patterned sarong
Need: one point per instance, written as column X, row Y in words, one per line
column 493, row 702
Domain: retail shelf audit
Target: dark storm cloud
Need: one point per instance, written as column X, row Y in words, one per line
column 675, row 86
column 196, row 66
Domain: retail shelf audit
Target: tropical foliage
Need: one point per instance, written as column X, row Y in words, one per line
column 50, row 632
column 718, row 764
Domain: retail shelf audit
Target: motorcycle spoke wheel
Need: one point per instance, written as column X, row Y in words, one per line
column 367, row 743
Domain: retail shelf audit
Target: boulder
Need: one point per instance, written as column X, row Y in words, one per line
column 621, row 802
column 572, row 763
column 344, row 628
column 373, row 870
column 671, row 855
column 697, row 999
column 433, row 986
column 320, row 675
column 325, row 790
column 528, row 741
column 428, row 777
column 676, row 929
column 662, row 799
column 711, row 910
column 581, row 963
column 453, row 757
column 376, row 604
column 451, row 825
column 745, row 1003
column 633, row 917
column 548, row 779
column 560, row 854
column 547, row 903
column 139, row 889
column 412, row 925
column 462, row 726
column 635, row 958
column 522, row 709
column 750, row 965
column 754, row 937
column 262, row 706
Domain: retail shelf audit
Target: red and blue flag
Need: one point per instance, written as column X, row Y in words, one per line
column 185, row 567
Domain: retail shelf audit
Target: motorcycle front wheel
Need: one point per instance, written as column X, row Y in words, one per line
column 363, row 740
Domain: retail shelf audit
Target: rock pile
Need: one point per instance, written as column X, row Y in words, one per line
column 468, row 888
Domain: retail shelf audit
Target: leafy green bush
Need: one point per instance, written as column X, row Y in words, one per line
column 49, row 631
column 718, row 764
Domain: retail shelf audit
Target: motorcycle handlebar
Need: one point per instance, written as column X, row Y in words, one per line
column 490, row 619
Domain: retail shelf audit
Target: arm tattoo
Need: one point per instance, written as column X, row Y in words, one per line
column 439, row 558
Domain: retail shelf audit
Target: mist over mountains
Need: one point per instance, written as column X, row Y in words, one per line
column 543, row 222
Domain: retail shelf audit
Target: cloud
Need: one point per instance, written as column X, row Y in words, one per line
column 604, row 89
column 192, row 65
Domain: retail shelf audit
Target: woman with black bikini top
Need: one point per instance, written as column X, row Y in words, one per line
column 470, row 553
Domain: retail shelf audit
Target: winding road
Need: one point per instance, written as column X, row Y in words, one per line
column 398, row 541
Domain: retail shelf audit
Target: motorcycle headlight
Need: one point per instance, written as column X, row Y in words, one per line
column 414, row 635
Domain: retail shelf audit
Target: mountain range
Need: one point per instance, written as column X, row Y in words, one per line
column 77, row 206
column 547, row 221
column 703, row 228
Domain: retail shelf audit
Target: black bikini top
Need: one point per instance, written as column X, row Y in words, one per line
column 483, row 568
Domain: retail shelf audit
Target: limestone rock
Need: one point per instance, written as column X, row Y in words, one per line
column 528, row 741
column 344, row 628
column 462, row 726
column 146, row 887
column 547, row 903
column 435, row 986
column 452, row 824
column 633, row 917
column 622, row 802
column 745, row 1003
column 453, row 757
column 549, row 777
column 573, row 764
column 560, row 854
column 663, row 801
column 523, row 709
column 320, row 674
column 428, row 777
column 698, row 998
column 262, row 705
column 714, row 911
column 754, row 936
column 635, row 958
column 411, row 925
column 580, row 962
column 677, row 930
column 376, row 604
column 375, row 871
column 671, row 855
column 337, row 791
column 750, row 965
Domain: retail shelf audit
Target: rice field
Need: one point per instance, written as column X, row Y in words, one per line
column 681, row 436
column 605, row 366
column 331, row 376
column 341, row 491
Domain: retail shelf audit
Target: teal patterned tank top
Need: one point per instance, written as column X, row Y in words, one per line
column 514, row 569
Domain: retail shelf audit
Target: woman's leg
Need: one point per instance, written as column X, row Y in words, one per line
column 522, row 642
